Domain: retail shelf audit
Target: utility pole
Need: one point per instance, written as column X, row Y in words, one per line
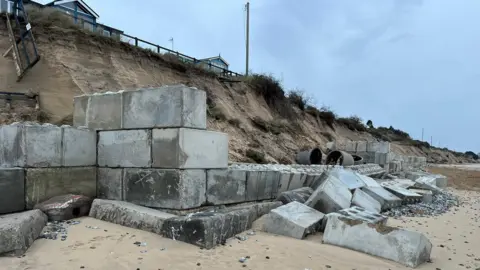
column 431, row 140
column 171, row 40
column 247, row 7
column 422, row 134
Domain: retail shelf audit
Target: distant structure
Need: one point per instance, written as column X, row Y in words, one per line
column 216, row 64
column 78, row 10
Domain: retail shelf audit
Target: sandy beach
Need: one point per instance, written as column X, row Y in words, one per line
column 454, row 236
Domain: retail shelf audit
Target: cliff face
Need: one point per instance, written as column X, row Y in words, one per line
column 74, row 62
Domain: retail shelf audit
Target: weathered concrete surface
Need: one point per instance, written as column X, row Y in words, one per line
column 165, row 188
column 385, row 198
column 300, row 195
column 362, row 214
column 331, row 196
column 347, row 177
column 226, row 186
column 362, row 199
column 369, row 182
column 406, row 195
column 414, row 175
column 294, row 220
column 124, row 148
column 261, row 185
column 44, row 183
column 437, row 180
column 79, row 147
column 104, row 111
column 129, row 215
column 427, row 195
column 184, row 148
column 43, row 144
column 313, row 180
column 65, row 207
column 426, row 182
column 378, row 147
column 80, row 104
column 208, row 229
column 12, row 190
column 12, row 146
column 409, row 248
column 167, row 106
column 297, row 180
column 110, row 184
column 19, row 230
column 284, row 182
column 361, row 146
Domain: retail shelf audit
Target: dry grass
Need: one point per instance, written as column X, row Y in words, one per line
column 459, row 178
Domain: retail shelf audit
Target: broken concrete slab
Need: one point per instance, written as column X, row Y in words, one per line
column 185, row 148
column 43, row 145
column 124, row 148
column 167, row 106
column 385, row 198
column 44, row 183
column 347, row 177
column 12, row 146
column 331, row 196
column 362, row 199
column 129, row 215
column 368, row 181
column 226, row 186
column 65, row 207
column 407, row 196
column 18, row 231
column 427, row 195
column 165, row 188
column 261, row 185
column 300, row 195
column 437, row 180
column 414, row 175
column 79, row 147
column 360, row 213
column 12, row 190
column 110, row 183
column 410, row 248
column 426, row 182
column 294, row 220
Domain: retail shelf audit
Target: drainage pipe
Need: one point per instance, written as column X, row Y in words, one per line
column 357, row 160
column 340, row 158
column 309, row 157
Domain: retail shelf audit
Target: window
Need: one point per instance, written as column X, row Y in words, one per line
column 106, row 33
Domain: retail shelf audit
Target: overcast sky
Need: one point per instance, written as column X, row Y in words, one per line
column 405, row 63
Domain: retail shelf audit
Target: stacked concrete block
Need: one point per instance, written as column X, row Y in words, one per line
column 154, row 150
column 378, row 147
column 351, row 146
column 42, row 161
column 331, row 196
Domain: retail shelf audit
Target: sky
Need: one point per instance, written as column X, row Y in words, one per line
column 410, row 64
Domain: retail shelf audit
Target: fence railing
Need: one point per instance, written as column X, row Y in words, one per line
column 182, row 57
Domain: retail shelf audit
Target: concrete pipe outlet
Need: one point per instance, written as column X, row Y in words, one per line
column 340, row 158
column 309, row 157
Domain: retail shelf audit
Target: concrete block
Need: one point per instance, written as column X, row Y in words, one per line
column 208, row 229
column 381, row 158
column 104, row 111
column 12, row 146
column 410, row 249
column 386, row 199
column 362, row 199
column 129, row 215
column 262, row 185
column 427, row 195
column 360, row 213
column 361, row 146
column 300, row 195
column 79, row 147
column 428, row 183
column 183, row 148
column 18, row 231
column 414, row 175
column 110, row 184
column 379, row 147
column 347, row 177
column 331, row 196
column 351, row 146
column 124, row 148
column 438, row 180
column 403, row 183
column 43, row 144
column 226, row 186
column 294, row 220
column 284, row 182
column 313, row 180
column 80, row 104
column 297, row 180
column 165, row 188
column 44, row 183
column 12, row 190
column 369, row 182
column 167, row 106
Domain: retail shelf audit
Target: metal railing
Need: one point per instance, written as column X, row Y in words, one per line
column 137, row 42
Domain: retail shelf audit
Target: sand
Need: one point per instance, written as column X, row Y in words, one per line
column 454, row 236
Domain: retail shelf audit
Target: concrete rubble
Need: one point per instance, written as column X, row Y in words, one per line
column 65, row 207
column 293, row 219
column 18, row 231
column 331, row 196
column 410, row 249
column 300, row 195
column 362, row 199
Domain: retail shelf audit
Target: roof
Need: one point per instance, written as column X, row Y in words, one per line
column 80, row 2
column 215, row 57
